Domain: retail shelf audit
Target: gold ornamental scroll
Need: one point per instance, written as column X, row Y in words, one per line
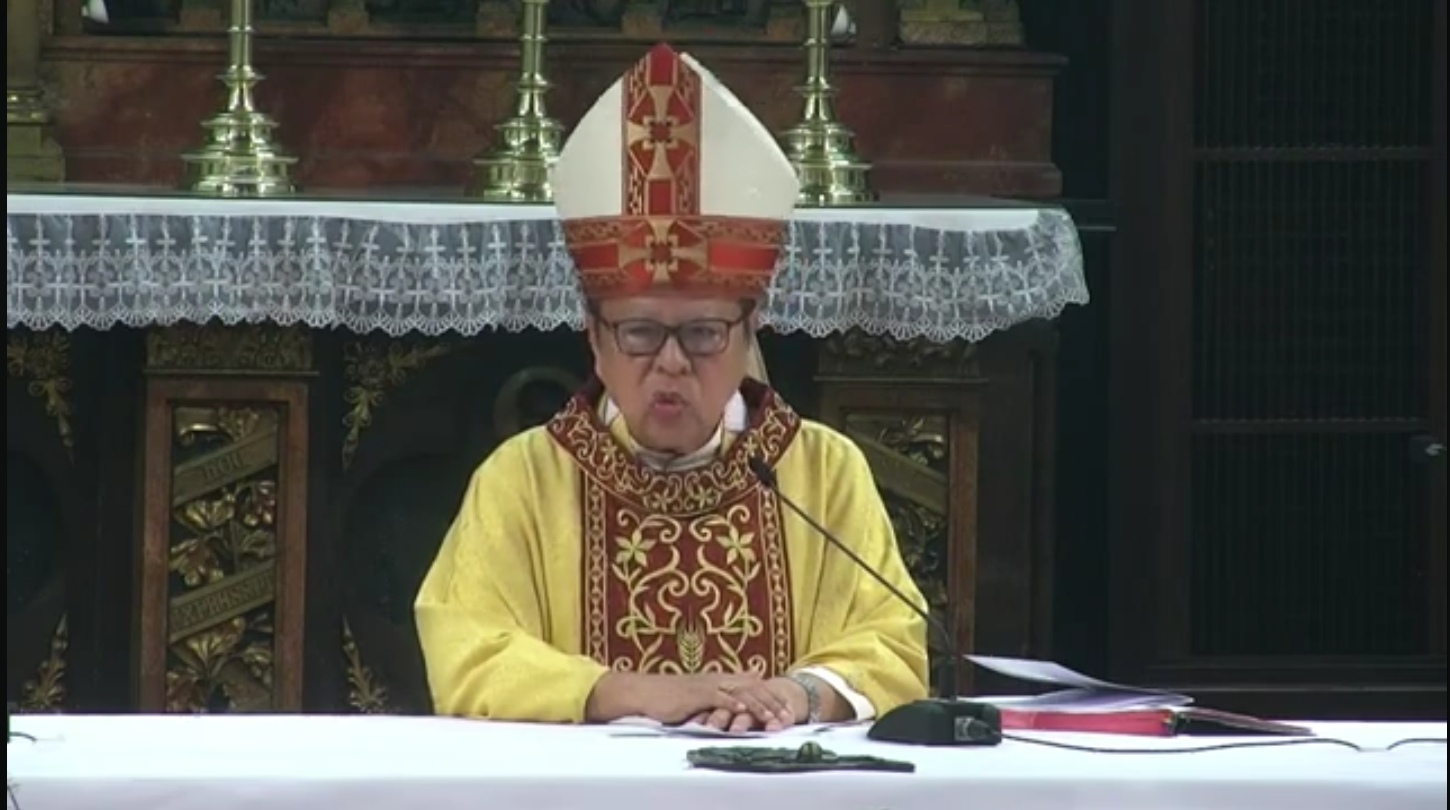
column 223, row 545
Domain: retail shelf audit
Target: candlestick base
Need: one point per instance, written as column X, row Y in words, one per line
column 240, row 157
column 516, row 169
column 820, row 147
column 826, row 163
column 32, row 155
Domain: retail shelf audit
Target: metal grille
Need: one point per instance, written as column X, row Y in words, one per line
column 1310, row 348
column 1313, row 73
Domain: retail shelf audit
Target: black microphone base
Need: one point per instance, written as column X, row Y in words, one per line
column 940, row 723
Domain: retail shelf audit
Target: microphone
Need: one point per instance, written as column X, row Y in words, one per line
column 939, row 721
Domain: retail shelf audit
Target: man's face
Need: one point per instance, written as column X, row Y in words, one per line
column 671, row 365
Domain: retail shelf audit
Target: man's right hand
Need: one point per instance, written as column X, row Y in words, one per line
column 666, row 698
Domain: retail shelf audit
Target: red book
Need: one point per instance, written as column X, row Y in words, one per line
column 1157, row 722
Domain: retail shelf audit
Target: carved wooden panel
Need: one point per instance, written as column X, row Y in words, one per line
column 418, row 415
column 913, row 408
column 40, row 517
column 222, row 553
column 368, row 442
column 955, row 434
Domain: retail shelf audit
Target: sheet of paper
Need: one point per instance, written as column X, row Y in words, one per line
column 1048, row 672
column 1087, row 700
column 644, row 726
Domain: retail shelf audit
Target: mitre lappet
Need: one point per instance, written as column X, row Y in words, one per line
column 670, row 186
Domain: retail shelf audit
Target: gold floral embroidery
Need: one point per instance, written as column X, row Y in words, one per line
column 682, row 571
column 599, row 455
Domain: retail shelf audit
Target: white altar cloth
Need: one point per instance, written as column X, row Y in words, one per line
column 292, row 762
column 98, row 258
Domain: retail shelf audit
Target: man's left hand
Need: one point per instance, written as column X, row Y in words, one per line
column 769, row 705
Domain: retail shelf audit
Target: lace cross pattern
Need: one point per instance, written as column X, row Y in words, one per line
column 895, row 278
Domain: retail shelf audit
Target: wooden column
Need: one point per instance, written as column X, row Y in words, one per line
column 222, row 563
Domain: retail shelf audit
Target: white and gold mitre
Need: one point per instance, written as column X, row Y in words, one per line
column 670, row 185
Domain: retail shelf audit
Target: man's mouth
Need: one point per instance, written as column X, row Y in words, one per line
column 667, row 403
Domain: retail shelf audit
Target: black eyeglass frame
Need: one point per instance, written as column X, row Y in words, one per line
column 676, row 332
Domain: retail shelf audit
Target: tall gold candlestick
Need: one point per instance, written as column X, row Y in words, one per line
column 821, row 148
column 516, row 170
column 239, row 158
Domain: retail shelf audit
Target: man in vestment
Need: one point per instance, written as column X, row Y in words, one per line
column 623, row 560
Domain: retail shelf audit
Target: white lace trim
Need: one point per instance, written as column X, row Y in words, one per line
column 939, row 274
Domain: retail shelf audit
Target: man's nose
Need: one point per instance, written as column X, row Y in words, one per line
column 671, row 359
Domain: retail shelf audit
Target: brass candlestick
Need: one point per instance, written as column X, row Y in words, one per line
column 240, row 158
column 516, row 170
column 820, row 147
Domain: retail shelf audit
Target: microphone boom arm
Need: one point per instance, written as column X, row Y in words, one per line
column 947, row 690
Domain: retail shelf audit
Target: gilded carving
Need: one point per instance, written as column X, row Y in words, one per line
column 858, row 354
column 909, row 458
column 216, row 349
column 46, row 691
column 43, row 360
column 365, row 692
column 222, row 558
column 371, row 370
column 960, row 22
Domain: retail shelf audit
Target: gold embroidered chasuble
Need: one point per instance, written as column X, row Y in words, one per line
column 569, row 556
column 683, row 571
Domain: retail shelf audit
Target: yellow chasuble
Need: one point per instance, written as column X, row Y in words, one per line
column 569, row 556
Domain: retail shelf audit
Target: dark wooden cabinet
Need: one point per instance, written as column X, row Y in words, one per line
column 237, row 518
column 1278, row 318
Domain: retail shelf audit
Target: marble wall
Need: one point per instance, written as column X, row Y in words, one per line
column 395, row 113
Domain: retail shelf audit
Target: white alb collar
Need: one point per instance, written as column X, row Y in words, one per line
column 734, row 421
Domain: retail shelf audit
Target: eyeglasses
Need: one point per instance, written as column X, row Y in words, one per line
column 638, row 337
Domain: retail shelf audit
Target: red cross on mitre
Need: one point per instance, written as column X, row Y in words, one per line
column 661, row 240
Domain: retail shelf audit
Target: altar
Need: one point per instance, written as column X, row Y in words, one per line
column 384, row 763
column 252, row 420
column 257, row 342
